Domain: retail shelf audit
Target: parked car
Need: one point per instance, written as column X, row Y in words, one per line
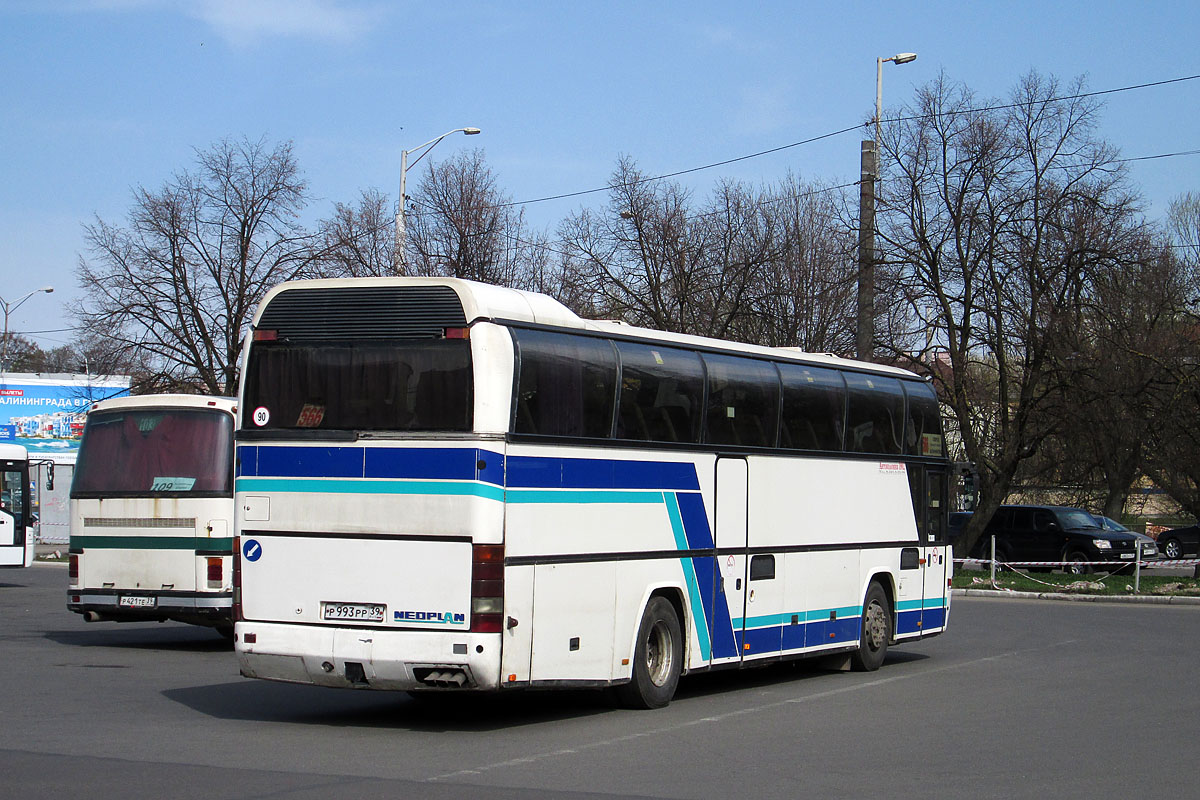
column 1180, row 542
column 1149, row 546
column 1055, row 534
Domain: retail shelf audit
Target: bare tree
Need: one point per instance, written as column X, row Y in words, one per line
column 358, row 241
column 971, row 221
column 808, row 297
column 462, row 225
column 178, row 282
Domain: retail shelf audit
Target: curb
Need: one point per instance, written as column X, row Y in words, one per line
column 1158, row 600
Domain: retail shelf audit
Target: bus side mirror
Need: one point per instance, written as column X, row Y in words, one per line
column 50, row 478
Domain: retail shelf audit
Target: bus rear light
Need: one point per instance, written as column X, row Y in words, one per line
column 487, row 588
column 457, row 333
column 261, row 335
column 237, row 579
column 216, row 572
column 73, row 569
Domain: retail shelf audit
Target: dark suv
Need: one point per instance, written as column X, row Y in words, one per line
column 1055, row 534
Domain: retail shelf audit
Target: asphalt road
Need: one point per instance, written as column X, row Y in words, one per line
column 1019, row 699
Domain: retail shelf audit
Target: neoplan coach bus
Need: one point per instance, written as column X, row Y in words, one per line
column 152, row 511
column 446, row 485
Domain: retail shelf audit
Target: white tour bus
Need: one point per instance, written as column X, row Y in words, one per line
column 152, row 511
column 448, row 485
column 16, row 515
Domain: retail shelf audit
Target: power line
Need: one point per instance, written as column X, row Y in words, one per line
column 832, row 134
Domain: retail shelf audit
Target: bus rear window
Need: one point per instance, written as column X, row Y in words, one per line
column 155, row 452
column 418, row 385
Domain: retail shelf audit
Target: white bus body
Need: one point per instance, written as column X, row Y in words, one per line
column 509, row 503
column 152, row 511
column 16, row 542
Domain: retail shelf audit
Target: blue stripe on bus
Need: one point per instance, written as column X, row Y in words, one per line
column 426, row 463
column 311, row 462
column 537, row 472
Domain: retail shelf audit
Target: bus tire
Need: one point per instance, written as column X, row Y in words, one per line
column 657, row 658
column 875, row 632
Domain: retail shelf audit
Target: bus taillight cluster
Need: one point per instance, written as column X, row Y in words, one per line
column 487, row 588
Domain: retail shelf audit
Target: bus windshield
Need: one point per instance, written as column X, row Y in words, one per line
column 155, row 452
column 399, row 385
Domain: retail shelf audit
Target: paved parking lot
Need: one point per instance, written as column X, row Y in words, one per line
column 1019, row 699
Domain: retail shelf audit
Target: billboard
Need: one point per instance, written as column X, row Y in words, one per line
column 45, row 413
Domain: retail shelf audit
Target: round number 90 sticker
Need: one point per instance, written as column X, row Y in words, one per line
column 261, row 416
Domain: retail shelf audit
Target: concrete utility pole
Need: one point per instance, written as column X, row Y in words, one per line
column 864, row 339
column 865, row 332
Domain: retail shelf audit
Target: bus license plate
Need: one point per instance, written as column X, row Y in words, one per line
column 355, row 612
column 133, row 601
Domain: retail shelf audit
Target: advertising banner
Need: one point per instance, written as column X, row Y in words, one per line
column 45, row 413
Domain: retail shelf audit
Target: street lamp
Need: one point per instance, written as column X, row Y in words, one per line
column 868, row 176
column 401, row 238
column 8, row 309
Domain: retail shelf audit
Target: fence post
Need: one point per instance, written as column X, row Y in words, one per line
column 993, row 559
column 1137, row 570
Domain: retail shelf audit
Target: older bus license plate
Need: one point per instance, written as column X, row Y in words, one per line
column 361, row 612
column 135, row 601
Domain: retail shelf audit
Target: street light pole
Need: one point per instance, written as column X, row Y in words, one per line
column 8, row 309
column 868, row 178
column 399, row 260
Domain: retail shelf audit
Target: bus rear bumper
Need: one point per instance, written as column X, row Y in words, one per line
column 368, row 658
column 139, row 605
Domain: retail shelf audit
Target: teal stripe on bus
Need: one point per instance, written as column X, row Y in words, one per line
column 361, row 486
column 583, row 496
column 817, row 615
column 153, row 543
column 913, row 605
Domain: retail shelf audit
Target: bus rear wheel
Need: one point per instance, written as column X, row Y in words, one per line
column 657, row 658
column 876, row 630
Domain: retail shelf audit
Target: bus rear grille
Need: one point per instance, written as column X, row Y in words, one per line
column 139, row 522
column 364, row 312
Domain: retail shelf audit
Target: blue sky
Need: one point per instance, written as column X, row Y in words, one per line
column 100, row 96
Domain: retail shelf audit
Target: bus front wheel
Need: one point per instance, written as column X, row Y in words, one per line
column 657, row 658
column 876, row 630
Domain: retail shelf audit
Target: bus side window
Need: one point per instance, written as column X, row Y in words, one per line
column 875, row 416
column 923, row 425
column 661, row 391
column 566, row 385
column 814, row 408
column 743, row 401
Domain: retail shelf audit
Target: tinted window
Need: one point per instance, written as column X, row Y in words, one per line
column 417, row 385
column 923, row 429
column 814, row 408
column 743, row 401
column 148, row 452
column 875, row 416
column 661, row 391
column 567, row 385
